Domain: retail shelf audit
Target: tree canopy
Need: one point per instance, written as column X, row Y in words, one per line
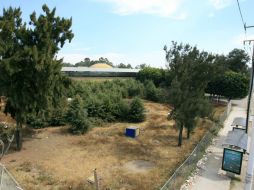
column 30, row 73
column 190, row 71
column 237, row 60
column 230, row 74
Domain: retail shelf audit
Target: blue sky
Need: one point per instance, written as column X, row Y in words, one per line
column 135, row 31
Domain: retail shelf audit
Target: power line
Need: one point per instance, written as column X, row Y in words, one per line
column 240, row 11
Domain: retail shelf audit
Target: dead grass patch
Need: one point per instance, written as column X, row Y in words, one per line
column 54, row 159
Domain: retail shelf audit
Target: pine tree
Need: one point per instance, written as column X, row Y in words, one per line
column 190, row 71
column 30, row 73
column 77, row 116
column 136, row 112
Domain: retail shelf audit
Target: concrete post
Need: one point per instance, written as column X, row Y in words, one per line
column 250, row 167
column 96, row 180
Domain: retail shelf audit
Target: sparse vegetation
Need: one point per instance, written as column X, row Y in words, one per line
column 72, row 158
column 37, row 94
column 77, row 116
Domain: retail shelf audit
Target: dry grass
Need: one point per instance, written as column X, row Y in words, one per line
column 53, row 159
column 218, row 110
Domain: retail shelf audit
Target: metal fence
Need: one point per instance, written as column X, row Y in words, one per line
column 189, row 165
column 7, row 181
column 225, row 114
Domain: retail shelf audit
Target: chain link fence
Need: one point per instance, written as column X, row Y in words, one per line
column 7, row 181
column 189, row 165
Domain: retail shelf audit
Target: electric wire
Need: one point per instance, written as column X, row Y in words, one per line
column 240, row 11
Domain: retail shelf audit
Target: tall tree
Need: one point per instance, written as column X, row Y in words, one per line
column 190, row 71
column 30, row 73
column 237, row 61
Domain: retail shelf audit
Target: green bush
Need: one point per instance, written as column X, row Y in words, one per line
column 136, row 113
column 154, row 74
column 57, row 117
column 36, row 121
column 53, row 116
column 151, row 92
column 77, row 116
column 135, row 88
column 123, row 110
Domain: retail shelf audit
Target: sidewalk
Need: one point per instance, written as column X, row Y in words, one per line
column 211, row 177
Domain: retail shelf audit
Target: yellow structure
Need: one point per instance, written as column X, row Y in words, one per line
column 101, row 65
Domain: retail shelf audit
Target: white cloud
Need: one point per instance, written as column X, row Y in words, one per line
column 220, row 4
column 164, row 8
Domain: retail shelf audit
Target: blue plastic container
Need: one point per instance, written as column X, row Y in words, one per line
column 132, row 132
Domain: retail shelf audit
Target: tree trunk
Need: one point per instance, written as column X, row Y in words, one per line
column 180, row 137
column 18, row 137
column 188, row 132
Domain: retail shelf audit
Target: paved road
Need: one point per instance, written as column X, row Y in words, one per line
column 212, row 177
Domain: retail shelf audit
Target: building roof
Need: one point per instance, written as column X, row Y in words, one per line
column 237, row 138
column 101, row 65
column 239, row 121
column 89, row 69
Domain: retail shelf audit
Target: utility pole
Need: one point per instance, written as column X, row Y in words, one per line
column 251, row 87
column 250, row 166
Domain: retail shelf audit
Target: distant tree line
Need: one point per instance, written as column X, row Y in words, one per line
column 87, row 62
column 228, row 75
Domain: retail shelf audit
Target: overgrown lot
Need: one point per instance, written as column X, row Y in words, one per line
column 54, row 159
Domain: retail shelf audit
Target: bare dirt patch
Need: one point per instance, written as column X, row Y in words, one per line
column 53, row 159
column 138, row 166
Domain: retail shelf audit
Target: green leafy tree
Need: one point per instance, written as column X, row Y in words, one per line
column 30, row 73
column 77, row 116
column 136, row 112
column 231, row 85
column 142, row 66
column 154, row 74
column 190, row 71
column 234, row 85
column 237, row 61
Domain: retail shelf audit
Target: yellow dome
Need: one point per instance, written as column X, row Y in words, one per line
column 101, row 65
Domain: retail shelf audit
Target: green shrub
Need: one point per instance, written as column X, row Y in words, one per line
column 57, row 117
column 77, row 116
column 95, row 122
column 151, row 92
column 154, row 74
column 136, row 113
column 53, row 116
column 36, row 121
column 123, row 110
column 135, row 88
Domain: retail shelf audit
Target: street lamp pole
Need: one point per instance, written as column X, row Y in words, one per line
column 251, row 88
column 250, row 166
